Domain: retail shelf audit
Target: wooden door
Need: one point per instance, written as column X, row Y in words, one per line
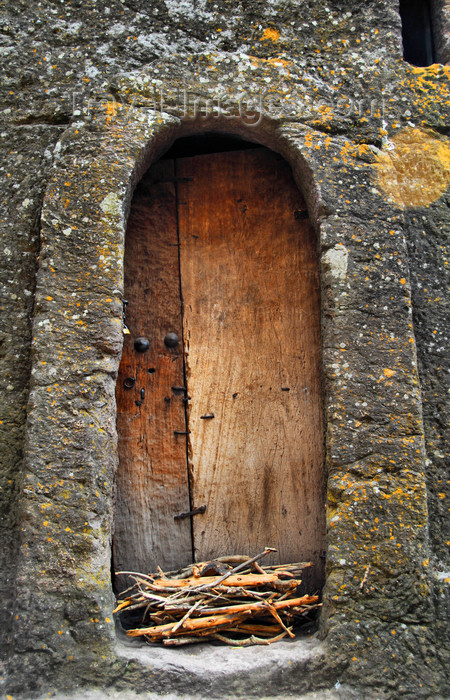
column 224, row 255
column 152, row 479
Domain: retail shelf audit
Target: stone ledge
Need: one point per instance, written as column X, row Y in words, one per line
column 343, row 692
column 201, row 660
column 223, row 672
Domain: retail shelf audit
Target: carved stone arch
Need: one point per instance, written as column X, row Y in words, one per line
column 279, row 463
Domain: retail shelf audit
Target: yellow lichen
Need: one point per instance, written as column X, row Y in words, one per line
column 271, row 34
column 416, row 169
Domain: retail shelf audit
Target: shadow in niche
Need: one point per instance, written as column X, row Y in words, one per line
column 417, row 34
column 209, row 142
column 146, row 533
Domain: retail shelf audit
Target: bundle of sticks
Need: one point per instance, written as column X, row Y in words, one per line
column 251, row 604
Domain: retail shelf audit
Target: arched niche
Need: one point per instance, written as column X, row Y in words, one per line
column 220, row 409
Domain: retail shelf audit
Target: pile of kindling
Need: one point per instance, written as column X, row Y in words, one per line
column 241, row 605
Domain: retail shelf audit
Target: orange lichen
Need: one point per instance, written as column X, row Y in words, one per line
column 271, row 34
column 416, row 169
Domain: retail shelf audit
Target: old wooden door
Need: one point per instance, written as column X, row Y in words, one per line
column 220, row 252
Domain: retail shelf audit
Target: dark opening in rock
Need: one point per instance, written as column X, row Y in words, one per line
column 417, row 35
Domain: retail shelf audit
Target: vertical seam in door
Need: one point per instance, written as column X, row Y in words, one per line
column 186, row 413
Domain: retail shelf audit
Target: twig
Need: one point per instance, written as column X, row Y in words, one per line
column 185, row 617
column 127, row 590
column 234, row 559
column 179, row 641
column 237, row 569
column 273, row 611
column 297, row 566
column 129, row 608
column 249, row 641
column 259, row 628
column 136, row 574
column 240, row 591
column 258, row 568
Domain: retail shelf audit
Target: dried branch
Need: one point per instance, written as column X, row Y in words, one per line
column 190, row 605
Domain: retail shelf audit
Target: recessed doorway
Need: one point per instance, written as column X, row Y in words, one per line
column 219, row 396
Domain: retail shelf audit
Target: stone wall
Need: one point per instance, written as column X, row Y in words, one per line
column 440, row 17
column 93, row 93
column 26, row 156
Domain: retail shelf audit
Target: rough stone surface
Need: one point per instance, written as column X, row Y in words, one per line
column 25, row 157
column 428, row 253
column 440, row 19
column 92, row 93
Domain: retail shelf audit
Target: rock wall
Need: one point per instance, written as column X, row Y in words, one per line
column 440, row 18
column 92, row 93
column 26, row 156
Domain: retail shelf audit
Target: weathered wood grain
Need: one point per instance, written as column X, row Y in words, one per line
column 250, row 291
column 152, row 482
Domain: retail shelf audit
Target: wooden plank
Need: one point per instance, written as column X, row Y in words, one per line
column 250, row 288
column 152, row 482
